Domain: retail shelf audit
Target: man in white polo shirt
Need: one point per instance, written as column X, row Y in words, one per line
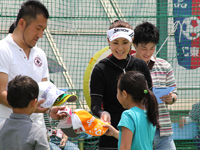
column 20, row 55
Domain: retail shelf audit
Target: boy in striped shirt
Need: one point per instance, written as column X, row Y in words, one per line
column 146, row 36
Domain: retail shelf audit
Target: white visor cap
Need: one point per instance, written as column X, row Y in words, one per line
column 48, row 91
column 115, row 33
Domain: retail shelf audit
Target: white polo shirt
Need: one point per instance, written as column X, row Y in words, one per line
column 13, row 61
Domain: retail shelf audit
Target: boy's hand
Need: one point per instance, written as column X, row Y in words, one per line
column 182, row 121
column 40, row 109
column 167, row 98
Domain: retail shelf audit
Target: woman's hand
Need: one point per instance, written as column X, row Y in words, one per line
column 105, row 116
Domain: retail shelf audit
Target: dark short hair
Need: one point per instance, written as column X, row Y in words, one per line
column 146, row 33
column 21, row 90
column 30, row 9
column 120, row 23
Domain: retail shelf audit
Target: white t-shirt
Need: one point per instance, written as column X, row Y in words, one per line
column 13, row 61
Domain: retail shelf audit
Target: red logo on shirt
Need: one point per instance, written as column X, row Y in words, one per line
column 38, row 61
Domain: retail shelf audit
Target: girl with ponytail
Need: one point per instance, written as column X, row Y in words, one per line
column 138, row 123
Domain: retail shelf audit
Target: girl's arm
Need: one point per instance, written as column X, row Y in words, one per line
column 112, row 131
column 126, row 139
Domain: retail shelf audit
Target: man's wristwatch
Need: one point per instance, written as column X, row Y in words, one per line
column 173, row 99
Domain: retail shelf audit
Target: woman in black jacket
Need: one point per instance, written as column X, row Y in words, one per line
column 104, row 78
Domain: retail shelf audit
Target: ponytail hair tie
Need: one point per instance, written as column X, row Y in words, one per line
column 145, row 91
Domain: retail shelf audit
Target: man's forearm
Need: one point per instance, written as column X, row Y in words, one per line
column 3, row 99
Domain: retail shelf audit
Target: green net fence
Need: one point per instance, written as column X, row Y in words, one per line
column 77, row 30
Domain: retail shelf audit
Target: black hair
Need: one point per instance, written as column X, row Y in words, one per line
column 21, row 90
column 30, row 9
column 120, row 23
column 134, row 83
column 146, row 33
column 12, row 27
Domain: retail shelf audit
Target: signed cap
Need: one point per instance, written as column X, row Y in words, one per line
column 83, row 121
column 51, row 93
